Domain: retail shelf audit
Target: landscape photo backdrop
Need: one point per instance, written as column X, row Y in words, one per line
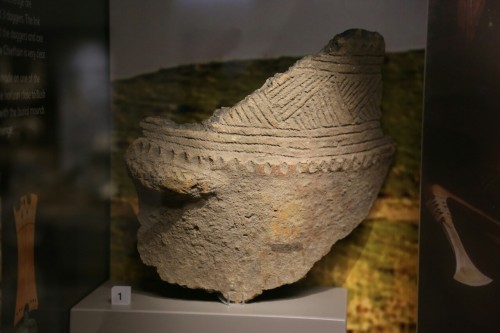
column 377, row 263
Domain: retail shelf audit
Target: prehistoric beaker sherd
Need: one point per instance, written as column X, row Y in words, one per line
column 251, row 198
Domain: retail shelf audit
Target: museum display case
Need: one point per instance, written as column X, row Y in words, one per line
column 186, row 64
column 77, row 79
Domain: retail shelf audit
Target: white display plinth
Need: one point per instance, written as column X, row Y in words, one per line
column 305, row 310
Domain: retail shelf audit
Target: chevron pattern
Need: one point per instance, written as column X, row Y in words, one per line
column 304, row 98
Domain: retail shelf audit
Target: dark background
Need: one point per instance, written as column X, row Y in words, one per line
column 63, row 157
column 168, row 33
column 461, row 152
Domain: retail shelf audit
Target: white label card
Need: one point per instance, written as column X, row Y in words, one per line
column 121, row 295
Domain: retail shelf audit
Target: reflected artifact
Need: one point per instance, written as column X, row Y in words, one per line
column 251, row 198
column 466, row 271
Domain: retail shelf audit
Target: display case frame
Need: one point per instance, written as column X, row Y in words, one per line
column 57, row 146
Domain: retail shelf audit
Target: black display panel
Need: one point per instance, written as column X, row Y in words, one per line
column 54, row 152
column 459, row 275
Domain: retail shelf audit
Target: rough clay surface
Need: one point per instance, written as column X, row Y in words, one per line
column 250, row 199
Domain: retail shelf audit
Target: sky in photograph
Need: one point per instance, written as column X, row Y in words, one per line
column 149, row 35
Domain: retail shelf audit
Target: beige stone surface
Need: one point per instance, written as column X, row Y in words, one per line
column 250, row 199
